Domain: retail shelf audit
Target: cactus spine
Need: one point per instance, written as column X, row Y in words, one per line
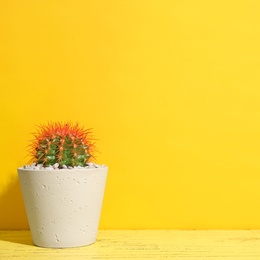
column 62, row 143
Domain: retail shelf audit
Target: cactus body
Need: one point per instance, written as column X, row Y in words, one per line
column 62, row 143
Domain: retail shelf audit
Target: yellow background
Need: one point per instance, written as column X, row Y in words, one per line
column 171, row 89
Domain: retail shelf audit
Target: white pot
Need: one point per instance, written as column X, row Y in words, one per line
column 63, row 206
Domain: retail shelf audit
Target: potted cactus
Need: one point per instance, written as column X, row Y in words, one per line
column 62, row 189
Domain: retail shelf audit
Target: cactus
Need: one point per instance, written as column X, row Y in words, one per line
column 63, row 143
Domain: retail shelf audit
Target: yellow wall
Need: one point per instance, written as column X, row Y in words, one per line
column 171, row 88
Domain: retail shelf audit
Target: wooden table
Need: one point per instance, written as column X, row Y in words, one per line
column 141, row 244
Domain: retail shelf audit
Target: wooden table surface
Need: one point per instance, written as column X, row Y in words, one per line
column 142, row 244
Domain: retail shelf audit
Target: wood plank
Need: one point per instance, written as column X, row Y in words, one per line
column 142, row 244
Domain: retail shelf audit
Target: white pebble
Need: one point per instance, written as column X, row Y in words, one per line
column 39, row 166
column 90, row 164
column 56, row 166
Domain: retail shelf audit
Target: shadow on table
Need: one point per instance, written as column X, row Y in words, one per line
column 22, row 237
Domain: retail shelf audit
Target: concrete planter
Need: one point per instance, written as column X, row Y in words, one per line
column 63, row 206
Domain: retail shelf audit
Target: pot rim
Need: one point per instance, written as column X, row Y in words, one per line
column 72, row 170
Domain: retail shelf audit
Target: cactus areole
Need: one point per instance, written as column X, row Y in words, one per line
column 63, row 143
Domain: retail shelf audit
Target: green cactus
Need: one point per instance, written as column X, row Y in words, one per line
column 62, row 143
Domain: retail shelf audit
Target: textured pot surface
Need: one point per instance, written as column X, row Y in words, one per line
column 63, row 206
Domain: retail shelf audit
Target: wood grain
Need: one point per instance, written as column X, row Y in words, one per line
column 142, row 244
